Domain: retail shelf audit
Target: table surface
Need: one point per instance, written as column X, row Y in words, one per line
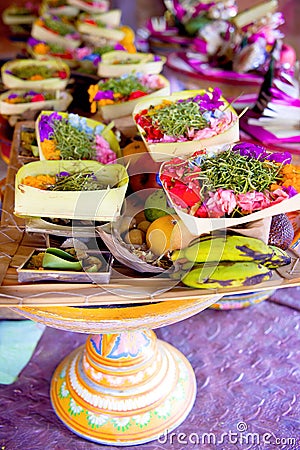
column 246, row 364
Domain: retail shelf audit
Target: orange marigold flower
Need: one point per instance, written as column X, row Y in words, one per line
column 49, row 149
column 41, row 48
column 39, row 181
column 36, row 77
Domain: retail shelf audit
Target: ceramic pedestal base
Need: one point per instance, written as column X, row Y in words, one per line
column 123, row 389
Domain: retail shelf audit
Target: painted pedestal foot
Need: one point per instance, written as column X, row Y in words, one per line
column 123, row 389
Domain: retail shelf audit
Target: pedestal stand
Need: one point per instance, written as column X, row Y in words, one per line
column 123, row 389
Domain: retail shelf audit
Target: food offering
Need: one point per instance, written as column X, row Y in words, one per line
column 58, row 8
column 91, row 6
column 72, row 265
column 227, row 261
column 68, row 136
column 56, row 30
column 32, row 74
column 105, row 25
column 117, row 63
column 18, row 101
column 43, row 51
column 20, row 14
column 84, row 190
column 236, row 185
column 185, row 122
column 117, row 97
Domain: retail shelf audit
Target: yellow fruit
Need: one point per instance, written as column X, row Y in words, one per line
column 167, row 233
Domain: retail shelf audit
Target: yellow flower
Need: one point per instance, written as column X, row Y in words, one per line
column 92, row 91
column 128, row 39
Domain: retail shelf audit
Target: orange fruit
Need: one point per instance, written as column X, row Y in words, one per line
column 167, row 233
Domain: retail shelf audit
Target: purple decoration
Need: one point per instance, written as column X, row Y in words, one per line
column 250, row 150
column 280, row 157
column 12, row 96
column 290, row 190
column 63, row 174
column 104, row 95
column 46, row 125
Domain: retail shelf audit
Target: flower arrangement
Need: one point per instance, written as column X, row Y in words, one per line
column 106, row 25
column 57, row 30
column 32, row 74
column 194, row 118
column 17, row 14
column 19, row 101
column 91, row 6
column 70, row 137
column 243, row 182
column 65, row 181
column 90, row 56
column 126, row 91
column 47, row 50
column 117, row 63
column 85, row 190
column 189, row 118
column 58, row 8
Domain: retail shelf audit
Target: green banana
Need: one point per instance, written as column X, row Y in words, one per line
column 225, row 248
column 229, row 274
column 280, row 258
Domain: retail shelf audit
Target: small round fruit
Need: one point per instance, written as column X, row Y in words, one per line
column 144, row 225
column 135, row 237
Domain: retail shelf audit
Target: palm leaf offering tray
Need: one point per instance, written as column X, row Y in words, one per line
column 118, row 62
column 18, row 101
column 58, row 8
column 56, row 30
column 117, row 97
column 32, row 74
column 47, row 189
column 166, row 128
column 19, row 15
column 91, row 6
column 71, row 265
column 106, row 25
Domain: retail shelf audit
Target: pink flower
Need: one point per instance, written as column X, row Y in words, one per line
column 252, row 201
column 278, row 196
column 103, row 151
column 221, row 202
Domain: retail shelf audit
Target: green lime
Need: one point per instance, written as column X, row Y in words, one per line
column 156, row 206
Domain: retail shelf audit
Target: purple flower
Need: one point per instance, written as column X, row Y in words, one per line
column 250, row 150
column 119, row 47
column 290, row 190
column 280, row 157
column 32, row 41
column 208, row 103
column 46, row 125
column 63, row 174
column 104, row 95
column 156, row 58
column 12, row 96
column 31, row 93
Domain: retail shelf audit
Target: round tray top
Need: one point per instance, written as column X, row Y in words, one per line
column 117, row 318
